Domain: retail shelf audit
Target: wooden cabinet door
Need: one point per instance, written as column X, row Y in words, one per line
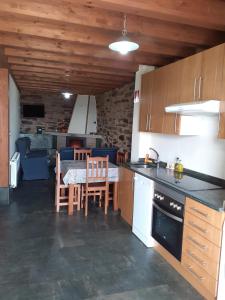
column 171, row 121
column 190, row 73
column 158, row 101
column 211, row 77
column 126, row 194
column 145, row 101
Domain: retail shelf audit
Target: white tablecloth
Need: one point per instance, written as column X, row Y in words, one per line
column 75, row 172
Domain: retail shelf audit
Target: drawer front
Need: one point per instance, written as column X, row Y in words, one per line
column 203, row 228
column 205, row 213
column 200, row 259
column 203, row 245
column 200, row 275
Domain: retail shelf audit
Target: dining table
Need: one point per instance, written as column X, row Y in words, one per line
column 74, row 172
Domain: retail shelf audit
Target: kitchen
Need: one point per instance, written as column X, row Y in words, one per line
column 167, row 240
column 193, row 132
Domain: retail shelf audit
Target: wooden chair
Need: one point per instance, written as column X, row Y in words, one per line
column 96, row 181
column 81, row 154
column 62, row 190
column 121, row 157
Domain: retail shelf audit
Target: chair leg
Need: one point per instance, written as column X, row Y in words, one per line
column 86, row 204
column 57, row 199
column 78, row 197
column 100, row 199
column 82, row 196
column 106, row 200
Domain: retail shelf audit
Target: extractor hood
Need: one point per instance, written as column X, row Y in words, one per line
column 210, row 107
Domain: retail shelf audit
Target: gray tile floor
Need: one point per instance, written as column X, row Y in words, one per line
column 55, row 257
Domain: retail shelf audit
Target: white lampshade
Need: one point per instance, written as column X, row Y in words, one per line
column 123, row 46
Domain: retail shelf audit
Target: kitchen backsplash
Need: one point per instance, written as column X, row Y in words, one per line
column 204, row 153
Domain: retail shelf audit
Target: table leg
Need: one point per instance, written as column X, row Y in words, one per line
column 115, row 196
column 71, row 196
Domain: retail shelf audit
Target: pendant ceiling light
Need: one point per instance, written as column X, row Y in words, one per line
column 67, row 95
column 124, row 45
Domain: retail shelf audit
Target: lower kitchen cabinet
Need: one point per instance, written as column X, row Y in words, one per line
column 126, row 194
column 201, row 249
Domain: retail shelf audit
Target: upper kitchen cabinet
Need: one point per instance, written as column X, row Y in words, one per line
column 145, row 101
column 171, row 122
column 202, row 74
column 211, row 77
column 190, row 70
column 159, row 93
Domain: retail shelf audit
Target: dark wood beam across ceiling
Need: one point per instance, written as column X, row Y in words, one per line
column 64, row 43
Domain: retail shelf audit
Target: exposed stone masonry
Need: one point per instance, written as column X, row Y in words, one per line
column 58, row 113
column 115, row 116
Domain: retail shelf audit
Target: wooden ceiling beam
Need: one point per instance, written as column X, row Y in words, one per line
column 62, row 77
column 155, row 60
column 24, row 41
column 65, row 81
column 76, row 33
column 62, row 85
column 81, row 89
column 69, row 60
column 74, row 13
column 78, row 68
column 204, row 13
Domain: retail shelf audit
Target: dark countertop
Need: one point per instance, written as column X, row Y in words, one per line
column 213, row 198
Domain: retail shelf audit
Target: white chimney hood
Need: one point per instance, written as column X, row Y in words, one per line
column 210, row 107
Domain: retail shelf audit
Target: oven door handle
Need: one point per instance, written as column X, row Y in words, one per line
column 167, row 213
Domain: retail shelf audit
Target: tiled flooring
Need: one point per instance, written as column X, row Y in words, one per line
column 46, row 256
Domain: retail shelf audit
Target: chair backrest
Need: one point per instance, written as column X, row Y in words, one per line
column 81, row 154
column 58, row 169
column 97, row 169
column 121, row 157
column 23, row 146
column 103, row 152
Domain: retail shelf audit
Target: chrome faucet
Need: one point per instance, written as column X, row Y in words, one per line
column 157, row 156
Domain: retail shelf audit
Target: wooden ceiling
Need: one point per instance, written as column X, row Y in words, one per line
column 62, row 45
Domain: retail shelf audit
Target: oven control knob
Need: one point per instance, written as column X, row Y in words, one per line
column 171, row 203
column 175, row 206
column 178, row 207
column 161, row 198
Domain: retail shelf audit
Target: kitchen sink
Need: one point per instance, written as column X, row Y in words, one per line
column 136, row 165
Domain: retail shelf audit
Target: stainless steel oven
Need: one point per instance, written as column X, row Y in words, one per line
column 167, row 221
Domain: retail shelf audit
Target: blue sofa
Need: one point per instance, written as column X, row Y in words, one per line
column 34, row 163
column 66, row 153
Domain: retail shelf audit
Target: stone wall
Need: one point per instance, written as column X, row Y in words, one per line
column 58, row 112
column 115, row 116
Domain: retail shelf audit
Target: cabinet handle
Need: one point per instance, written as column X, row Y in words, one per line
column 199, row 212
column 149, row 122
column 190, row 269
column 197, row 227
column 203, row 247
column 192, row 255
column 199, row 87
column 146, row 127
column 175, row 124
column 195, row 88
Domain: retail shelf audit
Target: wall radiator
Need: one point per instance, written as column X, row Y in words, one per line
column 14, row 168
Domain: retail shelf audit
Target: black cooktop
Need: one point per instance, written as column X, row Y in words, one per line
column 185, row 181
